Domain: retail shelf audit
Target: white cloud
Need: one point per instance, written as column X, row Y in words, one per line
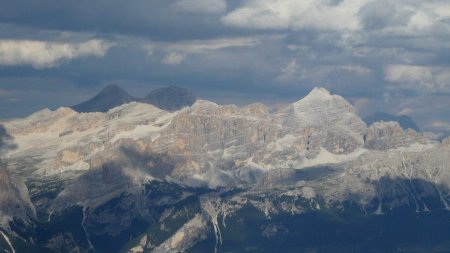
column 201, row 6
column 405, row 111
column 420, row 21
column 197, row 46
column 294, row 14
column 408, row 73
column 440, row 124
column 441, row 8
column 421, row 79
column 43, row 54
column 149, row 49
column 443, row 78
column 176, row 52
column 346, row 16
column 360, row 70
column 173, row 58
column 405, row 17
column 290, row 71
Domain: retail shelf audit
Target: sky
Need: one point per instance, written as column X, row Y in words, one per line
column 381, row 55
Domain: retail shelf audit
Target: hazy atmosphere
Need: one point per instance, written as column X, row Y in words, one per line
column 389, row 56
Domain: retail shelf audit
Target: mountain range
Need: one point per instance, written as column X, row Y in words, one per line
column 404, row 120
column 171, row 173
column 168, row 98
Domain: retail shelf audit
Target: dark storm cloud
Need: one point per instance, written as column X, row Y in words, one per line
column 156, row 19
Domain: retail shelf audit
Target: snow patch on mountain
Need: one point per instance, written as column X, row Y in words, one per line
column 325, row 157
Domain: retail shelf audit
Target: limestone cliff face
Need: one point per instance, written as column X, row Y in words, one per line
column 205, row 144
column 321, row 109
column 209, row 136
column 211, row 140
column 14, row 199
column 389, row 135
column 204, row 141
column 324, row 120
column 446, row 143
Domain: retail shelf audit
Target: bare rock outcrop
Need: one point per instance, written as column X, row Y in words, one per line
column 14, row 199
column 390, row 135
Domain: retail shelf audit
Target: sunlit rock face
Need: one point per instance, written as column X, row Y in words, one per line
column 206, row 145
column 324, row 121
column 209, row 144
column 91, row 158
column 388, row 135
column 405, row 121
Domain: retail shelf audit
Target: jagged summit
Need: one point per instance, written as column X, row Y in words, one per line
column 170, row 98
column 320, row 99
column 319, row 92
column 113, row 88
column 404, row 120
column 320, row 107
column 111, row 96
column 203, row 103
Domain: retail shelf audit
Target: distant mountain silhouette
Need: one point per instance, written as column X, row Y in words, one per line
column 111, row 96
column 168, row 98
column 404, row 120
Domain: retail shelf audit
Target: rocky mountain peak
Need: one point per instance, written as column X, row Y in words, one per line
column 114, row 91
column 320, row 108
column 112, row 88
column 390, row 135
column 405, row 121
column 203, row 105
column 320, row 99
column 111, row 96
column 319, row 92
column 170, row 98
